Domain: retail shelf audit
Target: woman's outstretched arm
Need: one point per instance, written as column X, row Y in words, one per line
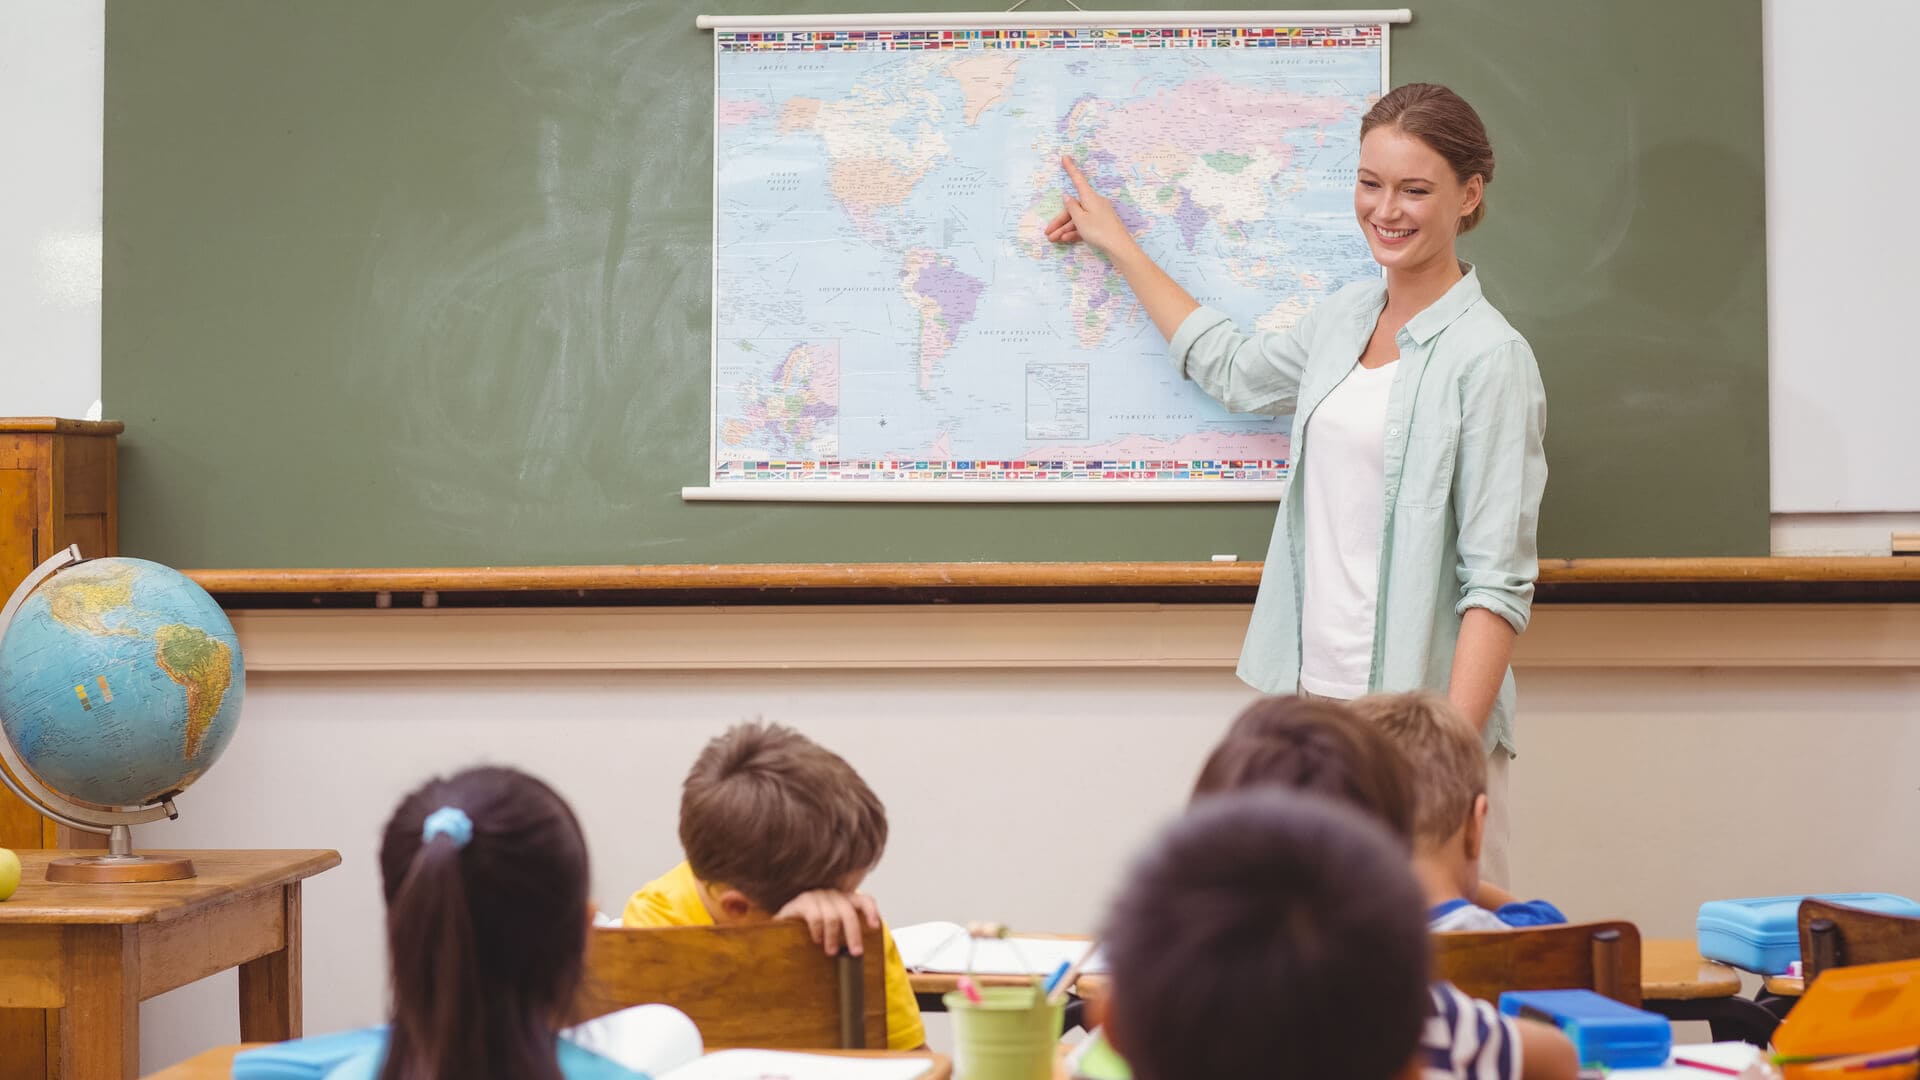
column 1090, row 219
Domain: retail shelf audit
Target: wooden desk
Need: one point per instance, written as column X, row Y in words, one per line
column 1785, row 985
column 217, row 1064
column 1670, row 970
column 95, row 952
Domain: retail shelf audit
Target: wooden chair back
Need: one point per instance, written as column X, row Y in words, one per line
column 763, row 986
column 1834, row 935
column 1602, row 956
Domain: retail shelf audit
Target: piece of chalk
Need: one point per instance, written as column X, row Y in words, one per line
column 1226, row 558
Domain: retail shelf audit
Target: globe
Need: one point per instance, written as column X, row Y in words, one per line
column 120, row 681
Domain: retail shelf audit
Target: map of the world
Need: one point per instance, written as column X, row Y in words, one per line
column 887, row 308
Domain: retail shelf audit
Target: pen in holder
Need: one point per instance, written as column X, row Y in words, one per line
column 1002, row 1032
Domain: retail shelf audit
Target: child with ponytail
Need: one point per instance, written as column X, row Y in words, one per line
column 485, row 874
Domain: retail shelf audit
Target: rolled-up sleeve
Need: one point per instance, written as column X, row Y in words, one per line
column 1246, row 372
column 1501, row 474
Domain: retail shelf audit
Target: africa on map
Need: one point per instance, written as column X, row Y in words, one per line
column 887, row 308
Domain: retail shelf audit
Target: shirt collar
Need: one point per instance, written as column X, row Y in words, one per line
column 1452, row 304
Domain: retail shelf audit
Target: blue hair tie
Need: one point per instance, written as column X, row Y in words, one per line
column 450, row 822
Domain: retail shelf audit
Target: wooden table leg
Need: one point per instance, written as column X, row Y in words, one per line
column 100, row 1025
column 23, row 1044
column 270, row 987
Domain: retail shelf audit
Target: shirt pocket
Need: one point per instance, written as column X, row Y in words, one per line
column 1426, row 473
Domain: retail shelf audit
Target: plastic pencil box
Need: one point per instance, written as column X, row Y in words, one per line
column 1762, row 933
column 1603, row 1031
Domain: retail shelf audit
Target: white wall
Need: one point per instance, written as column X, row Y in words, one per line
column 52, row 67
column 1844, row 368
column 1016, row 795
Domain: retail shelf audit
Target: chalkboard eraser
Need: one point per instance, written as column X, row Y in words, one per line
column 1906, row 543
column 1226, row 558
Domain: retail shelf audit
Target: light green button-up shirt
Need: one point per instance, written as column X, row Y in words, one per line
column 1464, row 471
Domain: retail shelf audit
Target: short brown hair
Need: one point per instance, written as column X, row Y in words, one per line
column 1449, row 764
column 1443, row 120
column 1314, row 745
column 773, row 814
column 1269, row 933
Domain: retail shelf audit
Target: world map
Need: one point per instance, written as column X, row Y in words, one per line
column 887, row 306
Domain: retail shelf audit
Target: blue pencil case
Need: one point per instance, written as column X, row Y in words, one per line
column 1762, row 933
column 1603, row 1031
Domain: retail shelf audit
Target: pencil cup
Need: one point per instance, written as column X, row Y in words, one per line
column 1011, row 1035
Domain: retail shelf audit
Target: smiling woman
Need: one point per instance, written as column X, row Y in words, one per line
column 1404, row 555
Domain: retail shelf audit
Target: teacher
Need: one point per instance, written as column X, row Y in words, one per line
column 1404, row 554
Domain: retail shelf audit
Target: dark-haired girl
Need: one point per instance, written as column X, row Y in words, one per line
column 486, row 881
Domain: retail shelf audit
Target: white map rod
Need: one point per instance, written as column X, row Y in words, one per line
column 988, row 491
column 1036, row 20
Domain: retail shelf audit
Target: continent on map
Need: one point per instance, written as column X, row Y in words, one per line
column 732, row 112
column 83, row 597
column 790, row 409
column 1282, row 316
column 946, row 299
column 1207, row 150
column 1208, row 157
column 201, row 664
column 984, row 81
column 881, row 141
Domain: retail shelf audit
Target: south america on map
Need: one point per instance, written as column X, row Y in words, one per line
column 887, row 307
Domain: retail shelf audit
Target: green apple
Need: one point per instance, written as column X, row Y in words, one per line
column 9, row 873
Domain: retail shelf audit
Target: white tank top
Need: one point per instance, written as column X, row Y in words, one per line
column 1344, row 508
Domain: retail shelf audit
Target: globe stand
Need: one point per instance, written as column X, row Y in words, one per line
column 119, row 865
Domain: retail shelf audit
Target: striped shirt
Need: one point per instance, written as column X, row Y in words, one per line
column 1467, row 1039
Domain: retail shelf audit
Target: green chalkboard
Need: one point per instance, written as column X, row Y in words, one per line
column 426, row 283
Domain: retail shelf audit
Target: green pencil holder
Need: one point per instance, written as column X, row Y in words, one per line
column 1013, row 1034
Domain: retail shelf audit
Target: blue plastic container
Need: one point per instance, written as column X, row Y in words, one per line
column 1763, row 933
column 1603, row 1031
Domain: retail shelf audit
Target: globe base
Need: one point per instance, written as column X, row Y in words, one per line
column 117, row 869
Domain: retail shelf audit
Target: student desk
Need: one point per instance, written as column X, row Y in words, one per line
column 1675, row 981
column 217, row 1064
column 94, row 952
column 1670, row 970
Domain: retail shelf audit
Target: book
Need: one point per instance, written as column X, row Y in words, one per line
column 786, row 1065
column 650, row 1039
column 661, row 1042
column 1702, row 1061
column 946, row 947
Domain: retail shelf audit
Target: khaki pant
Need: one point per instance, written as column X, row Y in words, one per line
column 1493, row 851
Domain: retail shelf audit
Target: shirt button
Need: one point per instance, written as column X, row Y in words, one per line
column 1393, row 433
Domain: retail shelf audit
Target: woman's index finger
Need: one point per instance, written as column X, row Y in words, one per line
column 1079, row 178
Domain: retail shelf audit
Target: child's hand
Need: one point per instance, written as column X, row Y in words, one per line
column 833, row 917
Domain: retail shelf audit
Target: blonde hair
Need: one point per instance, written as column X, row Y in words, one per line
column 1449, row 765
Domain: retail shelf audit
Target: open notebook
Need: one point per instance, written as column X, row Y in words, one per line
column 781, row 1065
column 656, row 1040
column 1723, row 1059
column 945, row 946
column 662, row 1043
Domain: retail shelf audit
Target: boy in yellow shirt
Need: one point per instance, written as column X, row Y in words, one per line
column 776, row 826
